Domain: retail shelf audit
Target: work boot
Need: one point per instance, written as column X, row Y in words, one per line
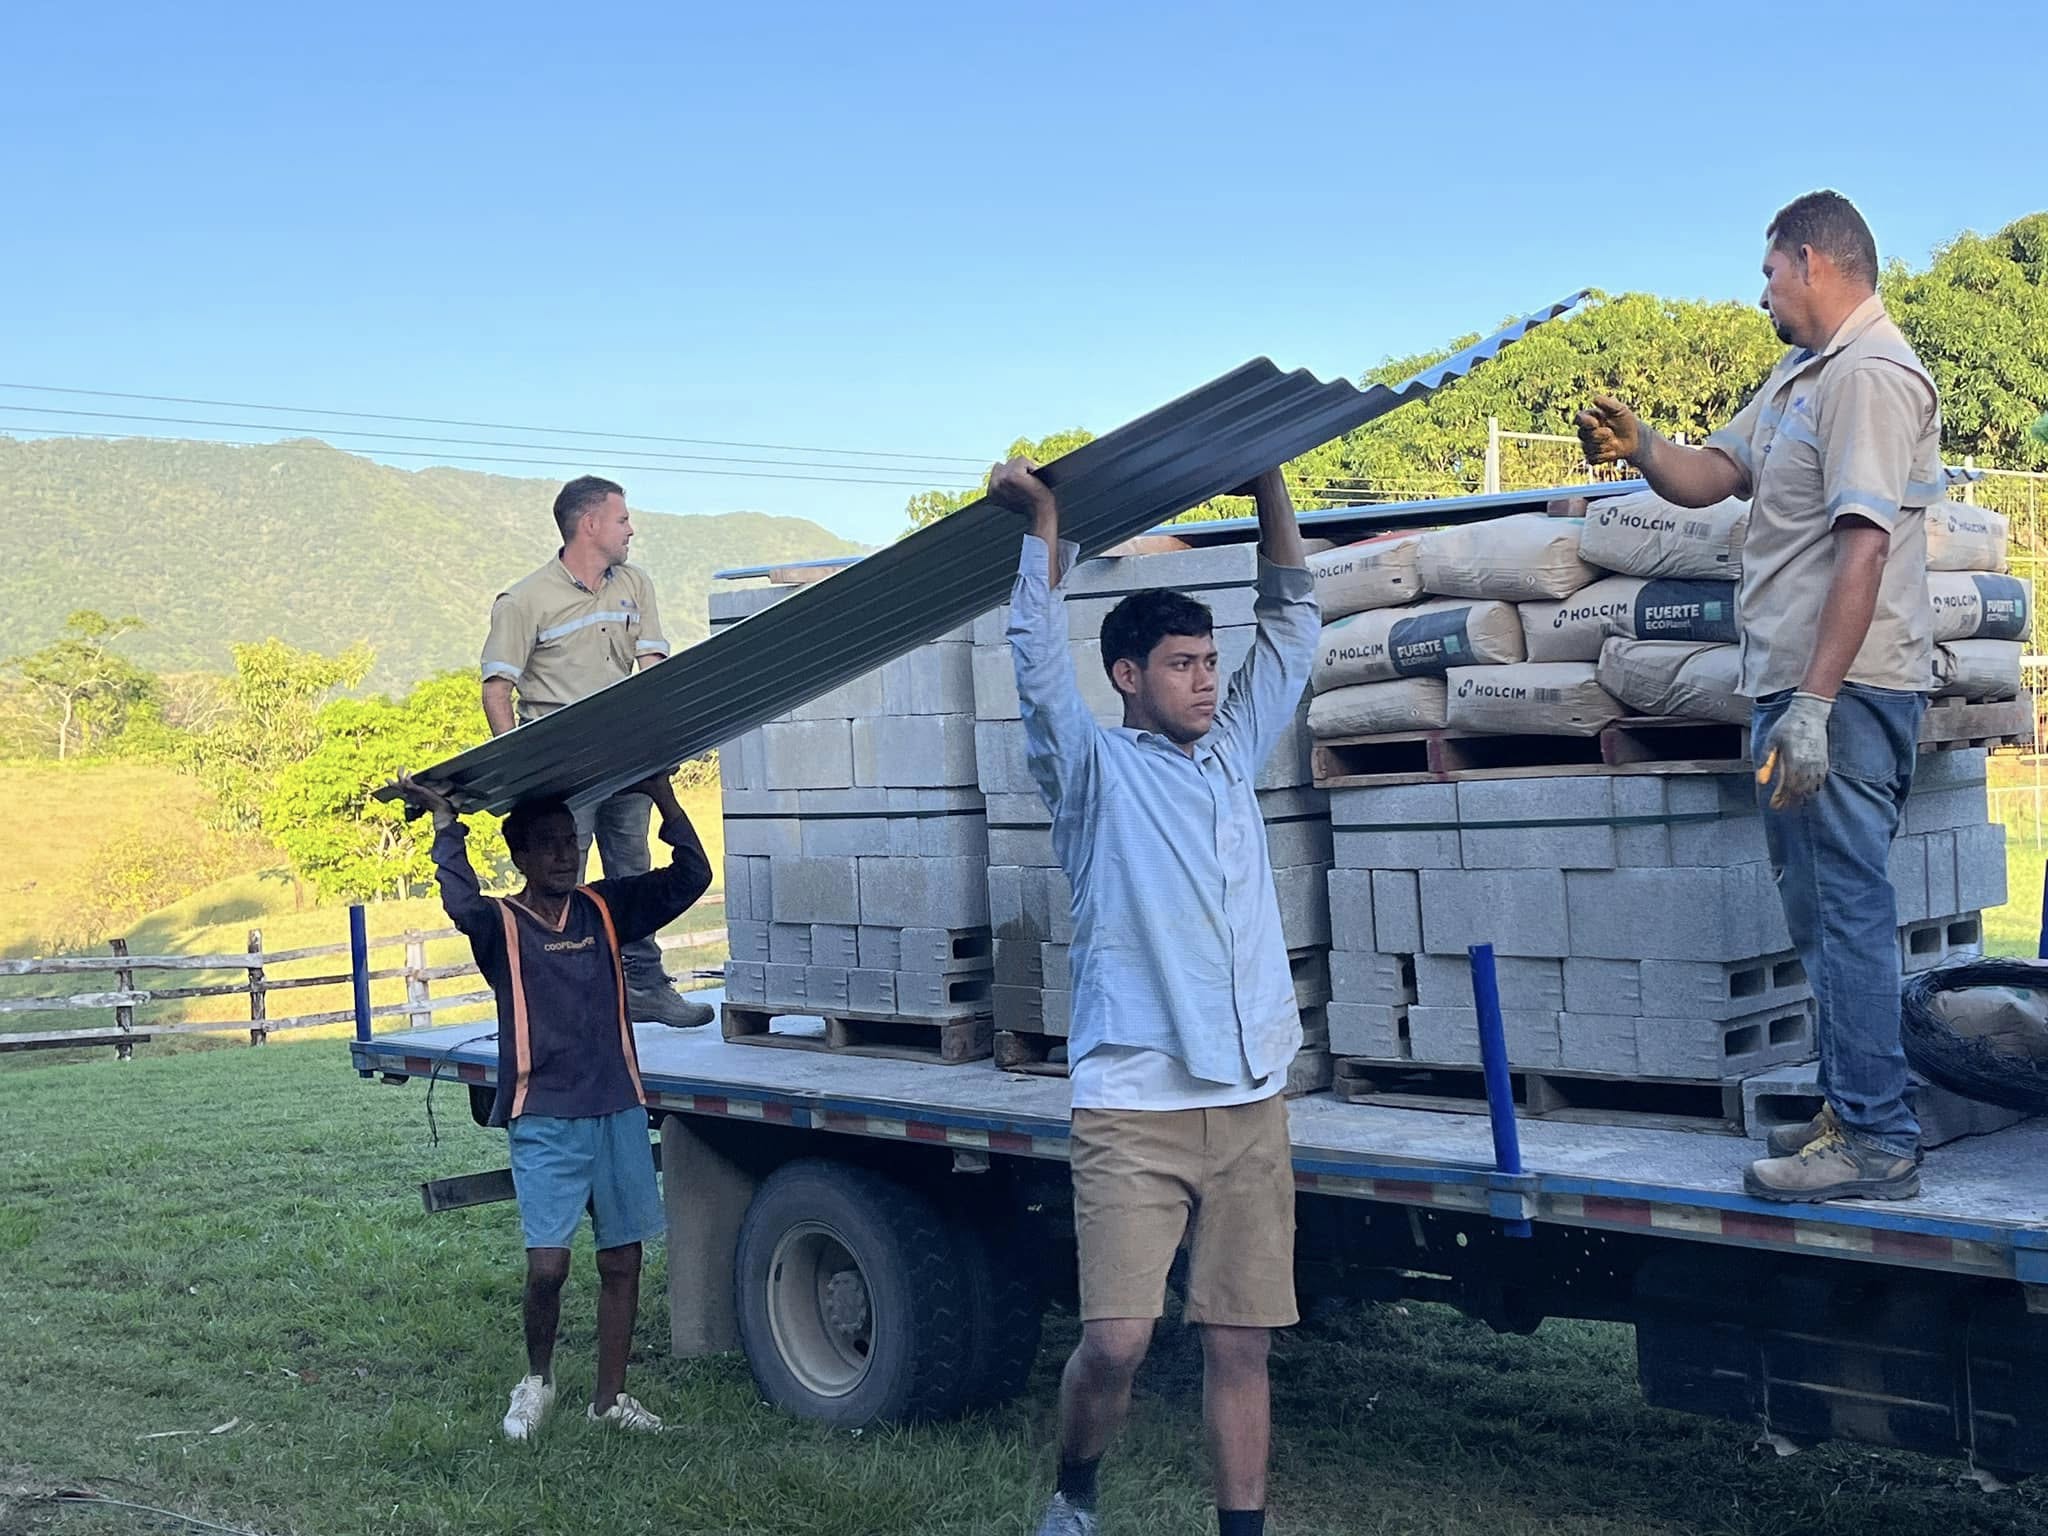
column 1788, row 1140
column 1832, row 1167
column 665, row 1005
column 1064, row 1519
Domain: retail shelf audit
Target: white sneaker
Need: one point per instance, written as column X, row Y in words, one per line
column 531, row 1400
column 626, row 1413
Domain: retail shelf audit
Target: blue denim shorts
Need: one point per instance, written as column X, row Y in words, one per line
column 601, row 1164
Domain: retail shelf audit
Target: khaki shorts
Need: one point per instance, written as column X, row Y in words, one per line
column 1223, row 1179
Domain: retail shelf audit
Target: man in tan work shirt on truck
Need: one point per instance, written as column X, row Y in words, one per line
column 582, row 622
column 1840, row 453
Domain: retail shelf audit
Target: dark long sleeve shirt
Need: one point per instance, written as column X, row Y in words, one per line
column 565, row 1043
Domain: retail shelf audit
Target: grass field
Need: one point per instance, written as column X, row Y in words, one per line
column 235, row 1237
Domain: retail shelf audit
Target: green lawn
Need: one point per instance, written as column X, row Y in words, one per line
column 193, row 1240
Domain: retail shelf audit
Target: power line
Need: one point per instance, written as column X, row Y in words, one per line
column 489, row 426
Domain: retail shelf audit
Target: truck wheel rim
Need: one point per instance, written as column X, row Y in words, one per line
column 820, row 1311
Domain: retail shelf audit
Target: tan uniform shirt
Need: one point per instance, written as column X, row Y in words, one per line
column 1852, row 431
column 558, row 641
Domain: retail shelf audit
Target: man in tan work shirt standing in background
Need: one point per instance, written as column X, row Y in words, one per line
column 1840, row 455
column 582, row 622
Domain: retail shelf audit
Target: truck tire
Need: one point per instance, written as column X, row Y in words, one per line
column 1006, row 1317
column 852, row 1303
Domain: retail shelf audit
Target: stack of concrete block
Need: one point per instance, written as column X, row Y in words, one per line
column 1029, row 898
column 856, row 842
column 1635, row 922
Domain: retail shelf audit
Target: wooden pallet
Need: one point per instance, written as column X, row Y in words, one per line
column 1583, row 1098
column 943, row 1041
column 1633, row 745
column 1018, row 1050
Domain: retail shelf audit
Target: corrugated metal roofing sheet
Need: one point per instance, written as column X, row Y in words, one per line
column 1201, row 445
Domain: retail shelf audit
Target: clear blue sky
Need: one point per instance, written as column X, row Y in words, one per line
column 922, row 228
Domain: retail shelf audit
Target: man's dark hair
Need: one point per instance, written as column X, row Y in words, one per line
column 1829, row 223
column 578, row 497
column 519, row 822
column 1138, row 623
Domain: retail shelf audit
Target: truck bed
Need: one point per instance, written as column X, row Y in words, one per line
column 1983, row 1207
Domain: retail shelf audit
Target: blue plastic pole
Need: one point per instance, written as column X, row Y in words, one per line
column 359, row 967
column 1493, row 1055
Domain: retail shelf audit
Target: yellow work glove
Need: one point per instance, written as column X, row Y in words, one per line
column 1793, row 756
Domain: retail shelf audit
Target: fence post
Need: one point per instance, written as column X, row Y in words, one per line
column 124, row 1013
column 1969, row 481
column 359, row 967
column 1490, row 484
column 416, row 988
column 259, row 1006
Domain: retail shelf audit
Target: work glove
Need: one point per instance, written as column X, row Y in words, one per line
column 1793, row 756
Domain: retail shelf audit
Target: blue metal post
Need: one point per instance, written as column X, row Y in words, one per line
column 1493, row 1055
column 359, row 967
column 2041, row 949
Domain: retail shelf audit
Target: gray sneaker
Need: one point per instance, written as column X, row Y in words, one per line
column 665, row 1005
column 1064, row 1519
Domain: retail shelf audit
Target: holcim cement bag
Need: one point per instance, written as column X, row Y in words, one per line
column 1702, row 611
column 1367, row 709
column 1576, row 628
column 1961, row 537
column 1538, row 698
column 1514, row 558
column 1378, row 573
column 1423, row 641
column 1977, row 670
column 1645, row 535
column 1676, row 677
column 1979, row 605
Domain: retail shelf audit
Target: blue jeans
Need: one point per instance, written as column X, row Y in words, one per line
column 1829, row 857
column 619, row 827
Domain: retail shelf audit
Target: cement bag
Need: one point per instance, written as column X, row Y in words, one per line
column 1644, row 535
column 1979, row 605
column 2012, row 1020
column 1977, row 670
column 1378, row 573
column 1961, row 537
column 1369, row 709
column 1535, row 698
column 1423, row 641
column 1575, row 629
column 1518, row 559
column 1676, row 677
column 1700, row 611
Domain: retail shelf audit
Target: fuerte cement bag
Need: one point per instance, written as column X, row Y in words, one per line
column 1979, row 605
column 1422, row 641
column 1574, row 628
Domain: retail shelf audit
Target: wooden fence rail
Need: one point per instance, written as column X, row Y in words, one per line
column 258, row 981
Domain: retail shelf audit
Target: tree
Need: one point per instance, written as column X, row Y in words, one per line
column 320, row 811
column 928, row 507
column 84, row 690
column 271, row 722
column 1978, row 317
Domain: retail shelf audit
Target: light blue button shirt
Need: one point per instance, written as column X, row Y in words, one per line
column 1177, row 943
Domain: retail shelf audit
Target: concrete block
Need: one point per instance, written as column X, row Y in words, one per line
column 764, row 836
column 1194, row 571
column 1312, row 1071
column 1300, row 839
column 939, row 995
column 934, row 679
column 1018, row 1009
column 843, row 802
column 849, row 701
column 1019, row 963
column 945, row 951
column 940, row 835
column 878, row 949
column 843, row 837
column 1229, row 608
column 784, row 986
column 924, row 893
column 1980, row 867
column 815, row 890
column 1056, row 967
column 1290, row 763
column 1719, row 1050
column 953, row 798
column 1304, row 896
column 1397, row 911
column 808, row 754
column 1727, row 840
column 1603, row 986
column 1315, row 1028
column 1946, row 769
column 747, row 941
column 836, row 945
column 1597, row 1042
column 1406, row 826
column 871, row 991
column 1551, row 823
column 761, row 893
column 1011, row 811
column 738, row 891
column 1311, row 972
column 828, row 988
column 1941, row 874
column 746, row 982
column 1445, row 981
column 1787, row 1096
column 1517, row 911
column 1906, row 867
column 1293, row 801
column 1642, row 831
column 1674, row 914
column 1369, row 978
column 731, row 604
column 1008, row 911
column 758, row 802
column 1000, row 763
column 914, row 751
column 1351, row 924
column 1029, row 847
column 1722, row 990
column 789, row 943
column 1450, row 1036
column 1942, row 802
column 1059, row 901
column 1056, row 1012
column 1939, row 940
column 990, row 628
column 1369, row 1030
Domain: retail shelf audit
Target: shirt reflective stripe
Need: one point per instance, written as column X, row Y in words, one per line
column 651, row 648
column 1920, row 493
column 609, row 616
column 501, row 669
column 522, row 1045
column 1867, row 501
column 604, row 912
